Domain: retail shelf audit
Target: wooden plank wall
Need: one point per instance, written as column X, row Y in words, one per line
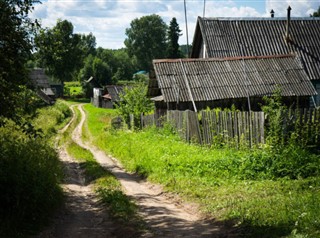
column 238, row 128
column 233, row 127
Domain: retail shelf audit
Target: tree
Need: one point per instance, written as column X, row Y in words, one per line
column 185, row 49
column 174, row 33
column 15, row 49
column 134, row 101
column 146, row 40
column 316, row 14
column 96, row 68
column 61, row 51
column 122, row 66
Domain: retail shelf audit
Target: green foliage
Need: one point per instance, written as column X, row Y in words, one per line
column 316, row 14
column 120, row 206
column 146, row 40
column 134, row 101
column 275, row 112
column 263, row 192
column 50, row 118
column 61, row 51
column 125, row 66
column 99, row 70
column 15, row 50
column 185, row 50
column 73, row 89
column 106, row 67
column 174, row 33
column 29, row 181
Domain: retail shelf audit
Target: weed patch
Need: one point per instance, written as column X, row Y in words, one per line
column 30, row 173
column 264, row 191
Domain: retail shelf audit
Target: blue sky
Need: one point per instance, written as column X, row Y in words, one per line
column 108, row 19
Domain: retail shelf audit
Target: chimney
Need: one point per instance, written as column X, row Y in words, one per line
column 272, row 13
column 288, row 25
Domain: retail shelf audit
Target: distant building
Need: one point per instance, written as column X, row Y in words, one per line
column 42, row 86
column 107, row 97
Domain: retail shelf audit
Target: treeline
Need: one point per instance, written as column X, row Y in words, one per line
column 69, row 56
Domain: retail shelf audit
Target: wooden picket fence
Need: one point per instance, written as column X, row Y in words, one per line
column 236, row 128
column 210, row 127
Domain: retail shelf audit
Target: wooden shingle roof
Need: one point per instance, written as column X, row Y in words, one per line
column 228, row 78
column 234, row 37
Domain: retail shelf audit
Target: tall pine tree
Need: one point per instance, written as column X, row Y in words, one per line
column 174, row 33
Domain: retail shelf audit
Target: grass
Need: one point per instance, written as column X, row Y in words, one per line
column 30, row 173
column 73, row 89
column 262, row 203
column 107, row 187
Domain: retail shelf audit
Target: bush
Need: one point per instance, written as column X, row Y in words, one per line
column 291, row 162
column 29, row 181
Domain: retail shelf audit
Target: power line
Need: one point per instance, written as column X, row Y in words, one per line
column 186, row 20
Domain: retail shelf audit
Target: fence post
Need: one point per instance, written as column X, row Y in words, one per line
column 131, row 124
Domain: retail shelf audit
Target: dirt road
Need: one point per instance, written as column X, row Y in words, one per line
column 165, row 215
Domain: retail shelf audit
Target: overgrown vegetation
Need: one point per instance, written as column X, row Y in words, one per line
column 266, row 192
column 134, row 101
column 30, row 172
column 73, row 90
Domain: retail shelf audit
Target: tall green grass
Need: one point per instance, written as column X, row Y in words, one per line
column 267, row 194
column 29, row 182
column 51, row 118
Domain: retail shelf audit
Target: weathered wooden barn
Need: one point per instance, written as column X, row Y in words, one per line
column 196, row 84
column 107, row 97
column 42, row 86
column 237, row 37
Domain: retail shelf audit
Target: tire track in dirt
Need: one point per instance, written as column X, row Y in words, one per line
column 164, row 216
column 82, row 215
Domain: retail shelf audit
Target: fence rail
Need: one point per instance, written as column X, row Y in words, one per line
column 208, row 127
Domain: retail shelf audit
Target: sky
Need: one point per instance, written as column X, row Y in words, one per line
column 107, row 20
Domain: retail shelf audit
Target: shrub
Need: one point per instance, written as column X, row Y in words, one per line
column 29, row 177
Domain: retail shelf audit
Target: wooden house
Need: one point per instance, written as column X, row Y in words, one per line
column 196, row 84
column 106, row 97
column 42, row 86
column 251, row 37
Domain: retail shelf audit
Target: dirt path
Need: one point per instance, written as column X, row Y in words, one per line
column 83, row 216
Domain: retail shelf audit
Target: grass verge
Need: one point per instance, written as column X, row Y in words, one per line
column 220, row 180
column 107, row 187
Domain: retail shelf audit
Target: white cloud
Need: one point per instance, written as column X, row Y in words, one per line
column 300, row 8
column 108, row 19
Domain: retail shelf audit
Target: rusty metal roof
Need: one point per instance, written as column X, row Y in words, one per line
column 234, row 37
column 214, row 79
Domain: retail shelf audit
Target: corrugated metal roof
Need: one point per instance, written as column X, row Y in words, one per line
column 214, row 79
column 234, row 37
